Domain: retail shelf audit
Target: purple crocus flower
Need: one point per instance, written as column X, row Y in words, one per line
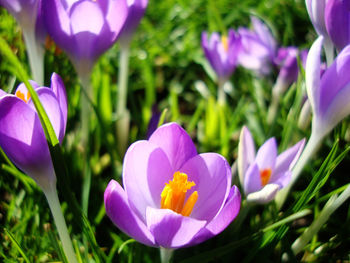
column 316, row 10
column 258, row 47
column 263, row 174
column 136, row 11
column 21, row 135
column 84, row 28
column 172, row 196
column 222, row 52
column 337, row 18
column 329, row 93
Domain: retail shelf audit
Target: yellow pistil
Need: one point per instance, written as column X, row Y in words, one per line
column 265, row 175
column 224, row 42
column 174, row 194
column 22, row 96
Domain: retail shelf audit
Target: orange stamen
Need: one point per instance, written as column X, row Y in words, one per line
column 22, row 96
column 224, row 42
column 265, row 175
column 174, row 194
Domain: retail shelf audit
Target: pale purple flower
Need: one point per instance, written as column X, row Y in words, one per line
column 264, row 173
column 337, row 18
column 136, row 11
column 328, row 94
column 258, row 47
column 145, row 208
column 316, row 10
column 83, row 28
column 21, row 135
column 26, row 13
column 222, row 52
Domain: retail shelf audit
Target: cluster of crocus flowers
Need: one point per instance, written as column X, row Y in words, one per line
column 29, row 16
column 259, row 47
column 172, row 196
column 23, row 140
column 264, row 173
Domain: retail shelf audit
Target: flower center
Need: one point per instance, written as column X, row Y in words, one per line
column 23, row 96
column 265, row 175
column 174, row 193
column 224, row 42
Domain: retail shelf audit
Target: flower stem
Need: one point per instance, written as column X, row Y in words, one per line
column 333, row 204
column 309, row 150
column 122, row 112
column 85, row 107
column 54, row 203
column 165, row 254
column 221, row 91
column 278, row 89
column 35, row 55
column 305, row 116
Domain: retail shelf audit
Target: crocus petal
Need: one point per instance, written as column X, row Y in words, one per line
column 265, row 195
column 227, row 214
column 172, row 230
column 264, row 34
column 23, row 140
column 266, row 155
column 286, row 160
column 316, row 10
column 175, row 142
column 51, row 105
column 57, row 24
column 283, row 179
column 119, row 211
column 246, row 153
column 212, row 175
column 252, row 180
column 312, row 74
column 146, row 169
column 58, row 88
column 2, row 93
column 337, row 18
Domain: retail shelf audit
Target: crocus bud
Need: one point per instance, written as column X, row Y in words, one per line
column 84, row 28
column 287, row 61
column 222, row 52
column 258, row 47
column 21, row 135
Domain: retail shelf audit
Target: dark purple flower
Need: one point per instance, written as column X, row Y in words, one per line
column 329, row 93
column 172, row 196
column 287, row 61
column 337, row 18
column 222, row 52
column 136, row 11
column 84, row 28
column 263, row 174
column 21, row 135
column 258, row 47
